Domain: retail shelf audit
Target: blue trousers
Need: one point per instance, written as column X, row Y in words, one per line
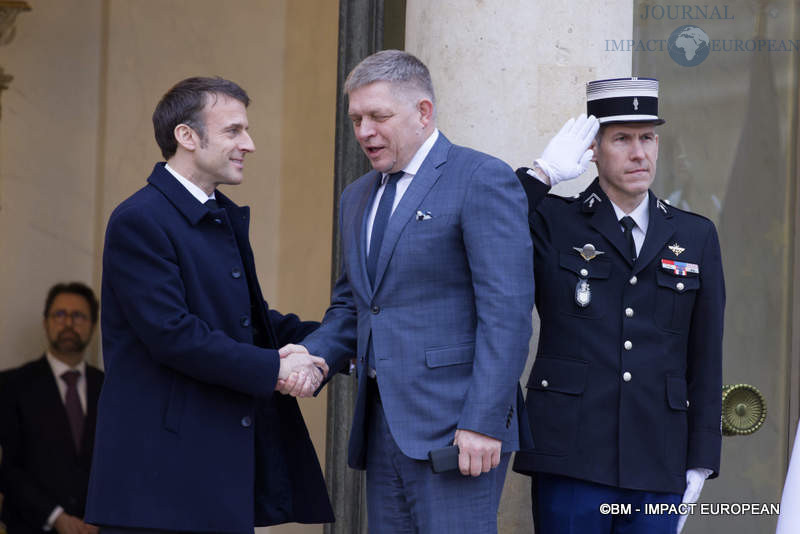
column 404, row 496
column 563, row 505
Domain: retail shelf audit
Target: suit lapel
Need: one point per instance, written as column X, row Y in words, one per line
column 51, row 397
column 358, row 233
column 421, row 184
column 659, row 230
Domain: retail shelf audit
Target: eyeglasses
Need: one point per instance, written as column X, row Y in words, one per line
column 60, row 316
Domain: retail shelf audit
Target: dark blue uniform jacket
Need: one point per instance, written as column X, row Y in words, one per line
column 626, row 390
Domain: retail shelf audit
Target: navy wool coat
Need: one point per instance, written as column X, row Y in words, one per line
column 190, row 433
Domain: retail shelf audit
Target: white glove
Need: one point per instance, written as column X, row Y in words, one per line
column 567, row 155
column 695, row 478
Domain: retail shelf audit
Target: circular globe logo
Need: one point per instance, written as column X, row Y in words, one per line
column 688, row 46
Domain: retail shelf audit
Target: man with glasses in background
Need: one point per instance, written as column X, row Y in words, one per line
column 48, row 409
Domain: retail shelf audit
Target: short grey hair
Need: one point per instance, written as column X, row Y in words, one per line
column 394, row 66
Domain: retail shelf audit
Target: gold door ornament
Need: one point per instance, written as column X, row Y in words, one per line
column 744, row 409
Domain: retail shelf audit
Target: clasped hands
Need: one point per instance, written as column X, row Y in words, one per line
column 300, row 373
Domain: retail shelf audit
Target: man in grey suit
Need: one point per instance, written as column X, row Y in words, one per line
column 435, row 301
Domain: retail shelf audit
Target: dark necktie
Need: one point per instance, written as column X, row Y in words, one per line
column 211, row 204
column 73, row 405
column 381, row 221
column 628, row 224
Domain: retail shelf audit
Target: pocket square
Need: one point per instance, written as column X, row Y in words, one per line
column 423, row 216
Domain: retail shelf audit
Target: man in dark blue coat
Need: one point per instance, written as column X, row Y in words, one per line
column 191, row 435
column 624, row 396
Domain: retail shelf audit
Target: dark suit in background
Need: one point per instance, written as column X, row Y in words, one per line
column 40, row 467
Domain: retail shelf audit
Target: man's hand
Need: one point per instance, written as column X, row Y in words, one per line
column 695, row 478
column 300, row 373
column 477, row 453
column 567, row 154
column 69, row 524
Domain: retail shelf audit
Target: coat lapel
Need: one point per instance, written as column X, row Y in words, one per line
column 659, row 230
column 604, row 220
column 421, row 184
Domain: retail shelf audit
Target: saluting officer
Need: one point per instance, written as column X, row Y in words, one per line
column 624, row 396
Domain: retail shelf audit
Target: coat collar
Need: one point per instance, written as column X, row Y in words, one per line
column 182, row 199
column 660, row 229
column 595, row 204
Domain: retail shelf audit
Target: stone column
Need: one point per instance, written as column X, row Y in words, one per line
column 507, row 75
column 9, row 10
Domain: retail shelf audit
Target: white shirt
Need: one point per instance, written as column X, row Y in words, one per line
column 196, row 192
column 402, row 184
column 640, row 216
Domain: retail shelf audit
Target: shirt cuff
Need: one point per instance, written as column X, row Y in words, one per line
column 51, row 519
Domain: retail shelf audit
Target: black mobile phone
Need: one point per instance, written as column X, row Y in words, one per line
column 444, row 459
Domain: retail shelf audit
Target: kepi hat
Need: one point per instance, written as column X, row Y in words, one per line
column 623, row 100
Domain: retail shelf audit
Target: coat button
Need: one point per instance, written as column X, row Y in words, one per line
column 236, row 273
column 376, row 310
column 628, row 312
column 244, row 321
column 687, row 403
column 584, row 272
column 680, row 286
column 626, row 376
column 628, row 345
column 218, row 220
column 633, row 280
column 545, row 383
column 246, row 421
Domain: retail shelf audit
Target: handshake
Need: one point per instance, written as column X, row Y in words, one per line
column 300, row 374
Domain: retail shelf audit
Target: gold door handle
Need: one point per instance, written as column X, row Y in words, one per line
column 744, row 409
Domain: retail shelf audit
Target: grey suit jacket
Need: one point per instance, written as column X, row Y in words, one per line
column 450, row 311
